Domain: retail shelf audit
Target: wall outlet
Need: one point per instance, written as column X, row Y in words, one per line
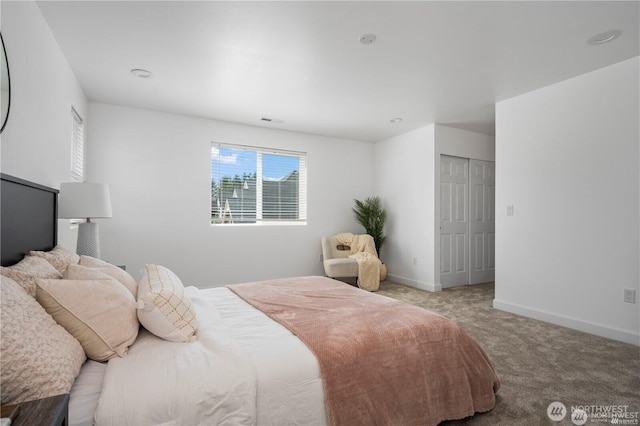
column 415, row 261
column 510, row 210
column 629, row 295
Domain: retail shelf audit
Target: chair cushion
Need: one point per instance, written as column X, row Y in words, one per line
column 341, row 267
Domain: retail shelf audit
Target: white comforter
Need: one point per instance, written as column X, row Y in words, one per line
column 243, row 369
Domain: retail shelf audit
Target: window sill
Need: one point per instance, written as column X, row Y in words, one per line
column 279, row 223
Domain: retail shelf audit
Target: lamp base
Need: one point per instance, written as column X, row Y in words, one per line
column 88, row 239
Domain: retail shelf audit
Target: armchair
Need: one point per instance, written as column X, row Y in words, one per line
column 337, row 263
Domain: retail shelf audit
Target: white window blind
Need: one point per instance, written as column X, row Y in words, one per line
column 77, row 147
column 256, row 185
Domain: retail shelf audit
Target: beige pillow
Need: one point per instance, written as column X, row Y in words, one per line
column 59, row 257
column 28, row 270
column 113, row 271
column 39, row 357
column 163, row 308
column 100, row 313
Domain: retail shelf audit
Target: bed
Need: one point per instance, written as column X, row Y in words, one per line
column 305, row 350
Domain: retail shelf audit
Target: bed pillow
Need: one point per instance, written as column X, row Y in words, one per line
column 39, row 357
column 163, row 308
column 28, row 270
column 59, row 257
column 100, row 313
column 114, row 271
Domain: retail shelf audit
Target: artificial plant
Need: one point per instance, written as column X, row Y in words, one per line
column 370, row 214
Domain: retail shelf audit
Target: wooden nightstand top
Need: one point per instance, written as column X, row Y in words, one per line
column 47, row 411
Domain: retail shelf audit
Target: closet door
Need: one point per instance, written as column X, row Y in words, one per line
column 454, row 224
column 482, row 182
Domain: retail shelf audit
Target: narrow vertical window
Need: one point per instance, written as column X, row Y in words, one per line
column 77, row 147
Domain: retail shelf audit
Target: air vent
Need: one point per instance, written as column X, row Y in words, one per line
column 272, row 120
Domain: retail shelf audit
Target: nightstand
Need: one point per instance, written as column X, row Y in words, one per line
column 51, row 411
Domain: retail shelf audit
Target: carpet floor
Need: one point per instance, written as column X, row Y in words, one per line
column 538, row 363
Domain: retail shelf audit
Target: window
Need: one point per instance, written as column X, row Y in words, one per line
column 257, row 185
column 77, row 147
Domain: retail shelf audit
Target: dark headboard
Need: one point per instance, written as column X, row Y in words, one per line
column 28, row 219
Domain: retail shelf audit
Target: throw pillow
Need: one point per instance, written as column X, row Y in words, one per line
column 100, row 313
column 28, row 270
column 39, row 357
column 118, row 273
column 59, row 257
column 163, row 308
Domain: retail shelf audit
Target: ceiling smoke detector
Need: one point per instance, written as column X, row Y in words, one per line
column 368, row 38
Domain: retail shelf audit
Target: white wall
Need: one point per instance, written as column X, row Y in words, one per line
column 567, row 160
column 404, row 180
column 36, row 142
column 465, row 144
column 408, row 181
column 158, row 169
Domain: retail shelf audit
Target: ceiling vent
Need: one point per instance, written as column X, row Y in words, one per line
column 272, row 120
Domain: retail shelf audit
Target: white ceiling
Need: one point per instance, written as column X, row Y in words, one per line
column 303, row 63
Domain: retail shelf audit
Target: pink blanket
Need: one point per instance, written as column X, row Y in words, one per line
column 382, row 361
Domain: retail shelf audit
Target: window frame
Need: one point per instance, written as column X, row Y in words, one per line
column 77, row 147
column 259, row 219
column 77, row 166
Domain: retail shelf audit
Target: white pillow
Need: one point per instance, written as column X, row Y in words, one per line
column 39, row 357
column 100, row 313
column 163, row 308
column 114, row 271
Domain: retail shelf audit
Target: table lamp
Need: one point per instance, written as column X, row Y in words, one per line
column 85, row 201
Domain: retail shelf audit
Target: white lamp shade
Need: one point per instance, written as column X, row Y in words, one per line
column 84, row 200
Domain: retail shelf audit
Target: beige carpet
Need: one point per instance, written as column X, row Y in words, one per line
column 538, row 363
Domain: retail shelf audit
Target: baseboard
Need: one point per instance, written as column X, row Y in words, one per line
column 413, row 283
column 564, row 321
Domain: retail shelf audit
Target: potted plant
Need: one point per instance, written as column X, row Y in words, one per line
column 370, row 214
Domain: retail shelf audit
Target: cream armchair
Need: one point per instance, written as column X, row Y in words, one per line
column 337, row 263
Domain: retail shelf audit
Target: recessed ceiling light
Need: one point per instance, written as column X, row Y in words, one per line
column 368, row 38
column 395, row 120
column 139, row 72
column 603, row 38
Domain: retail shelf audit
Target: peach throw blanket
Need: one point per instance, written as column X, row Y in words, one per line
column 382, row 361
column 363, row 250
